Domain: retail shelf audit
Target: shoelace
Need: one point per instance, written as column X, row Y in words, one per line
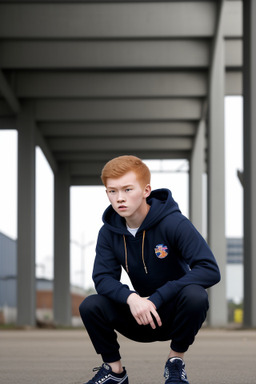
column 177, row 372
column 100, row 375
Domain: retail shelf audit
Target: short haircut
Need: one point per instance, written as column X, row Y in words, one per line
column 121, row 165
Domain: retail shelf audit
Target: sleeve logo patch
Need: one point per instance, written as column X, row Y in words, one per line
column 161, row 251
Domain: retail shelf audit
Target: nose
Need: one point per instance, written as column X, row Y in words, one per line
column 120, row 197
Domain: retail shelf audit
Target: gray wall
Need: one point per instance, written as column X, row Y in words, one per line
column 8, row 271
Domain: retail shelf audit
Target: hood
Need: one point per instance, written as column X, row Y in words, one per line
column 161, row 204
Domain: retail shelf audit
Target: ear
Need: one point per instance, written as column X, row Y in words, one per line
column 147, row 190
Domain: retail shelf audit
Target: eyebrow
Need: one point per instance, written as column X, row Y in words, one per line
column 124, row 186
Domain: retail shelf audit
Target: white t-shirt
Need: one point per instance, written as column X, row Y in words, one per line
column 133, row 231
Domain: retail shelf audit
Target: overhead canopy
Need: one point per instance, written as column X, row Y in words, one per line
column 110, row 78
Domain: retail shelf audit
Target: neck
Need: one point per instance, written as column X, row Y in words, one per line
column 135, row 222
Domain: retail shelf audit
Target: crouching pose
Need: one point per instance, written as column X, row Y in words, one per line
column 169, row 265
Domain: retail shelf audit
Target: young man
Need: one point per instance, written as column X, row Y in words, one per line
column 168, row 262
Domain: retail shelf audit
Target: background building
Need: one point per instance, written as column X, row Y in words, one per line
column 44, row 289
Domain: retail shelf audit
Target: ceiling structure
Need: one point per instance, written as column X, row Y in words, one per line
column 110, row 78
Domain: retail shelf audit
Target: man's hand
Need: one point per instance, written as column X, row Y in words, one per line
column 142, row 310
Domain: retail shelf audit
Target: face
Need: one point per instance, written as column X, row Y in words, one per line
column 128, row 198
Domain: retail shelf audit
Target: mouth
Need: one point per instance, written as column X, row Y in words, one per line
column 122, row 207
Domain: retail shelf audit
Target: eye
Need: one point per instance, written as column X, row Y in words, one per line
column 128, row 189
column 111, row 191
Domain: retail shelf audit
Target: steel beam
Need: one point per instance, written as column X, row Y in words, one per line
column 55, row 54
column 216, row 175
column 249, row 174
column 182, row 54
column 234, row 53
column 26, row 288
column 118, row 110
column 5, row 109
column 8, row 94
column 234, row 83
column 134, row 129
column 62, row 294
column 233, row 19
column 66, row 84
column 111, row 20
column 197, row 168
column 123, row 144
column 104, row 156
column 8, row 123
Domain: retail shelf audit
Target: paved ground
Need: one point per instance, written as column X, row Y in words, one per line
column 67, row 357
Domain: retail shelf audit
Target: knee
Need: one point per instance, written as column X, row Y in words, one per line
column 88, row 305
column 195, row 297
column 91, row 305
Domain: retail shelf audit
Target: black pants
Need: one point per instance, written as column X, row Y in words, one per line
column 181, row 320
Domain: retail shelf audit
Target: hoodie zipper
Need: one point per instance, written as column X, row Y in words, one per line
column 126, row 255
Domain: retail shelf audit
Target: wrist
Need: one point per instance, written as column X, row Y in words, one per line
column 130, row 297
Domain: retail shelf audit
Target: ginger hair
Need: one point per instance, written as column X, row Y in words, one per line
column 121, row 165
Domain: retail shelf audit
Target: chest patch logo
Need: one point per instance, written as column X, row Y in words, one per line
column 161, row 251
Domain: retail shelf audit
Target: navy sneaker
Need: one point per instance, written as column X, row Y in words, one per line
column 174, row 372
column 105, row 375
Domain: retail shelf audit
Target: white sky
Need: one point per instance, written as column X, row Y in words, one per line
column 88, row 203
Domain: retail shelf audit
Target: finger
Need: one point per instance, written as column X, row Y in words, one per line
column 144, row 320
column 152, row 324
column 149, row 320
column 138, row 320
column 157, row 318
column 155, row 314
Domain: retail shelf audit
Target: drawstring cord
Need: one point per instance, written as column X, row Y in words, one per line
column 143, row 238
column 126, row 256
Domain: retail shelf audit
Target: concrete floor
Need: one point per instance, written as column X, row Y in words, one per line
column 67, row 356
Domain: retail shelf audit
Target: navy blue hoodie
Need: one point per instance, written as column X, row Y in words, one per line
column 166, row 254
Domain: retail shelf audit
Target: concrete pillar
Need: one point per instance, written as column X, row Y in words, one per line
column 197, row 166
column 216, row 176
column 249, row 177
column 26, row 218
column 62, row 299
